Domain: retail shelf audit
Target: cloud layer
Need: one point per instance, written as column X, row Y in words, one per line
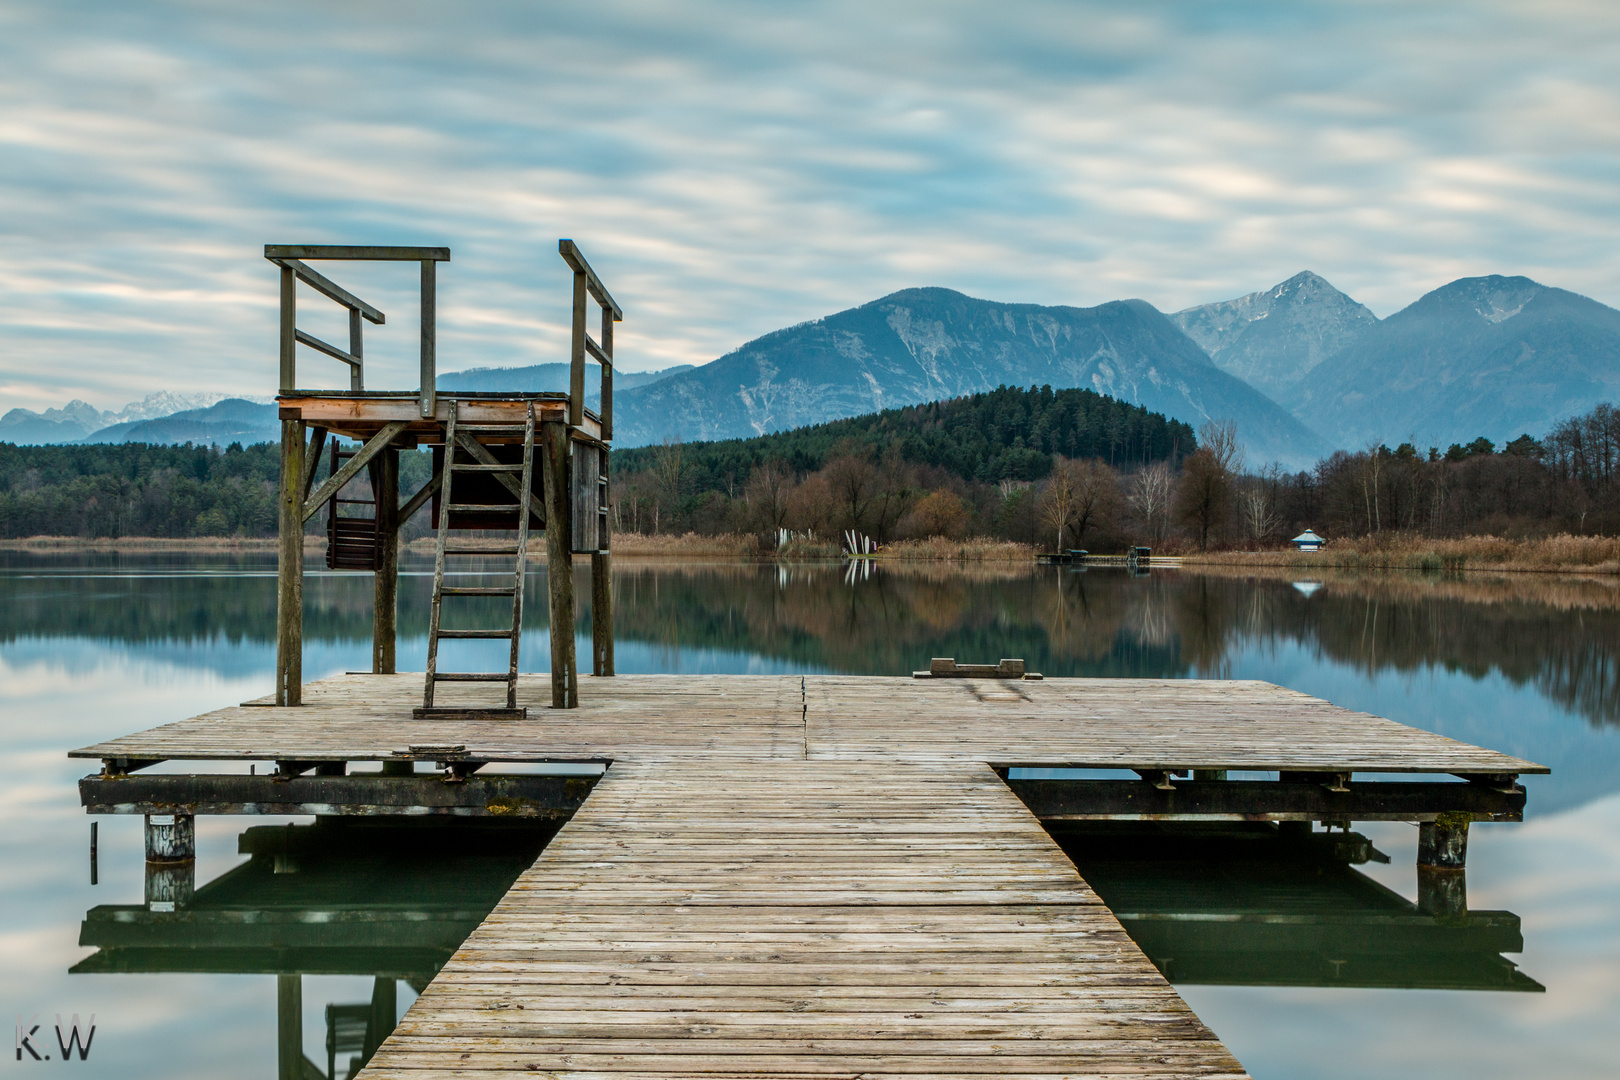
column 732, row 168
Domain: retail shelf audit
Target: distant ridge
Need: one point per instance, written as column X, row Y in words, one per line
column 1272, row 339
column 928, row 344
column 1493, row 356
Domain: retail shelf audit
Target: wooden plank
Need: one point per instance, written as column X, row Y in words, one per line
column 362, row 457
column 576, row 261
column 332, row 290
column 1081, row 723
column 275, row 252
column 645, row 941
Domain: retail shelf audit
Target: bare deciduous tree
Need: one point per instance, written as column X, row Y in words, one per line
column 1150, row 497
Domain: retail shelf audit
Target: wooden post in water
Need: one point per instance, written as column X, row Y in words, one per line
column 1442, row 861
column 385, row 598
column 290, row 564
column 560, row 564
column 290, row 1027
column 601, row 613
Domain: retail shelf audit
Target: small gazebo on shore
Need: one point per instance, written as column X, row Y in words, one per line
column 1308, row 541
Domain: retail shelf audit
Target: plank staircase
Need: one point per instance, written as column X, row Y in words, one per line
column 352, row 541
column 464, row 453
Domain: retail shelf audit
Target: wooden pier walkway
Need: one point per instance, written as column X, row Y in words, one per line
column 820, row 875
column 779, row 918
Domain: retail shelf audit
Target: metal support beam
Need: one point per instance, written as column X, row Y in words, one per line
column 555, row 463
column 334, row 483
column 290, row 566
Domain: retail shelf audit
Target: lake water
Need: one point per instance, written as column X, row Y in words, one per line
column 1314, row 982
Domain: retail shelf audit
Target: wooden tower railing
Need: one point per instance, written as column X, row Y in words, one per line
column 573, row 444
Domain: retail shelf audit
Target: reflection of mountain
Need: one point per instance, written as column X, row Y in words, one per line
column 1242, row 905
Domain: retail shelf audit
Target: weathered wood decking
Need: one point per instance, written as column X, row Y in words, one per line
column 810, row 876
column 797, row 918
column 1091, row 723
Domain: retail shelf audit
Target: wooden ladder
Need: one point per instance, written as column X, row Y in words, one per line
column 462, row 439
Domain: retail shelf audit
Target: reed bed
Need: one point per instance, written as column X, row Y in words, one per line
column 1405, row 551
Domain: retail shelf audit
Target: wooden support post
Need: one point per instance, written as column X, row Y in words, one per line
column 289, row 1027
column 601, row 613
column 290, row 567
column 576, row 355
column 384, row 1013
column 171, row 837
column 1442, row 862
column 430, row 301
column 607, row 376
column 356, row 350
column 289, row 328
column 560, row 564
column 385, row 591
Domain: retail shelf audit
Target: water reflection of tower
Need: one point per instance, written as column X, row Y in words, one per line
column 340, row 897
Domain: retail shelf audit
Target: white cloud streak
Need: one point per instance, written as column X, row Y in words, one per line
column 737, row 167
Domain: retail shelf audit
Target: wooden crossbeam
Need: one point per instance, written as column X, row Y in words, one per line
column 312, row 459
column 334, row 483
column 274, row 252
column 331, row 289
column 576, row 261
column 326, row 347
column 419, row 500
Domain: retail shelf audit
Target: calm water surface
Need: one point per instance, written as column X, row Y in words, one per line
column 97, row 646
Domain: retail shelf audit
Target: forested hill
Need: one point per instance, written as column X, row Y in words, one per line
column 1003, row 434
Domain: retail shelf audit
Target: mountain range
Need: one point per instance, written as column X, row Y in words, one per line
column 922, row 345
column 1301, row 368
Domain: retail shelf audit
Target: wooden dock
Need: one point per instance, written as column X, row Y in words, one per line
column 814, row 875
column 801, row 918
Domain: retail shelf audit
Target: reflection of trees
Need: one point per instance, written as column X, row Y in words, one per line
column 894, row 621
column 1559, row 635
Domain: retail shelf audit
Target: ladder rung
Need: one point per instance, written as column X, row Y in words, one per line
column 482, row 508
column 481, row 467
column 480, row 551
column 475, row 633
column 476, row 590
column 469, row 676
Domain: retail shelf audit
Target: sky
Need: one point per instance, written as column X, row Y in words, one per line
column 734, row 168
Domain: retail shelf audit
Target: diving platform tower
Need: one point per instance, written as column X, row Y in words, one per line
column 503, row 461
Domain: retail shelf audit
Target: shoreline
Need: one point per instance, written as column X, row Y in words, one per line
column 1584, row 555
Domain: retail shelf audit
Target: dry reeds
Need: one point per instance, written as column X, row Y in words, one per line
column 1407, row 551
column 940, row 549
column 152, row 543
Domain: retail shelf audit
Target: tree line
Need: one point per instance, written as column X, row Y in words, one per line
column 1054, row 469
column 974, row 465
column 113, row 490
